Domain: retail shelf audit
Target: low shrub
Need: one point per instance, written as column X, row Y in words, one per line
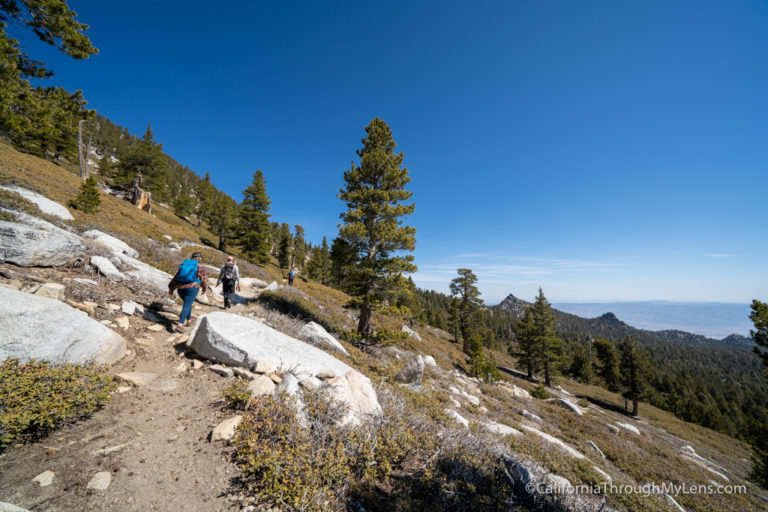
column 540, row 392
column 36, row 397
column 238, row 395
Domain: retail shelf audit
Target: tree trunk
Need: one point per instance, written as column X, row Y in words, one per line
column 83, row 169
column 363, row 325
column 88, row 152
column 635, row 404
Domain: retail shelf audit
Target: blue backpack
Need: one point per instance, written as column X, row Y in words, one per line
column 188, row 272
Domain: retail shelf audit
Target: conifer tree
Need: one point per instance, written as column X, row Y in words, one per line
column 299, row 247
column 319, row 263
column 527, row 352
column 284, row 244
column 373, row 223
column 454, row 315
column 634, row 368
column 222, row 217
column 342, row 258
column 549, row 346
column 254, row 220
column 204, row 193
column 608, row 364
column 759, row 472
column 87, row 199
column 146, row 157
column 464, row 287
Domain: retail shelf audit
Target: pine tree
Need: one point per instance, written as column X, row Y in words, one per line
column 299, row 247
column 254, row 220
column 634, row 368
column 372, row 225
column 342, row 258
column 87, row 199
column 608, row 364
column 222, row 217
column 146, row 158
column 464, row 288
column 759, row 472
column 318, row 266
column 549, row 346
column 454, row 318
column 580, row 367
column 284, row 243
column 205, row 197
column 527, row 352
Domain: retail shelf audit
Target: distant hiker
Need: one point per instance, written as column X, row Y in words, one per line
column 230, row 276
column 189, row 280
column 290, row 277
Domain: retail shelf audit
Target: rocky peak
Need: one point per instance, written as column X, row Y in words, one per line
column 514, row 306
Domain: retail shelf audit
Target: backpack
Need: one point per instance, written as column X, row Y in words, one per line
column 187, row 272
column 229, row 273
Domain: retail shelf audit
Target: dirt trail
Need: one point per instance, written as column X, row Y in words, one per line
column 167, row 463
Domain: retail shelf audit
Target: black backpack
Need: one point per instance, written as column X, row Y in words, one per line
column 229, row 273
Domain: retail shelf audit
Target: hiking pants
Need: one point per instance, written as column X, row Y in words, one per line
column 188, row 296
column 229, row 289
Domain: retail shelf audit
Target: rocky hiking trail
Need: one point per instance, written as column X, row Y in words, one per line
column 152, row 439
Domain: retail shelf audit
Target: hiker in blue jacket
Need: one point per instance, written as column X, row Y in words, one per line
column 189, row 280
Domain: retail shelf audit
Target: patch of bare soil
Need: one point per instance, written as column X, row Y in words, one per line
column 152, row 439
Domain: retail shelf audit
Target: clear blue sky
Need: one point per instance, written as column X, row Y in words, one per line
column 604, row 150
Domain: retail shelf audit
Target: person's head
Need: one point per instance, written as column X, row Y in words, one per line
column 197, row 256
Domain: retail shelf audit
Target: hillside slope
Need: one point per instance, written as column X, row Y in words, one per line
column 485, row 440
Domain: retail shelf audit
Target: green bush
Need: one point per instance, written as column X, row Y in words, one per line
column 540, row 392
column 238, row 395
column 36, row 397
column 583, row 402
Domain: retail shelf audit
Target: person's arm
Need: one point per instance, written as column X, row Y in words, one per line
column 221, row 273
column 172, row 284
column 203, row 276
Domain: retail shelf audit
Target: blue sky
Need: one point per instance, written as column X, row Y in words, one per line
column 604, row 150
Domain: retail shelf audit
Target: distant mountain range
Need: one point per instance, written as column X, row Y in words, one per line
column 711, row 319
column 607, row 325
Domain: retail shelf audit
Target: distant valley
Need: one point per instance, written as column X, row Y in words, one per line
column 711, row 319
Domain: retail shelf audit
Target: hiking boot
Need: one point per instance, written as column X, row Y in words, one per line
column 179, row 328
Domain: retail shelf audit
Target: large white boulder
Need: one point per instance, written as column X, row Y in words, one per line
column 315, row 333
column 106, row 268
column 239, row 341
column 142, row 272
column 411, row 333
column 356, row 392
column 110, row 243
column 32, row 242
column 42, row 202
column 43, row 328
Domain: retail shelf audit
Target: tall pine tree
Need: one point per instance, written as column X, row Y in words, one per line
column 634, row 369
column 548, row 346
column 527, row 352
column 254, row 220
column 464, row 287
column 373, row 223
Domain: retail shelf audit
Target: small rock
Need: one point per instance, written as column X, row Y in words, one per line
column 123, row 322
column 100, row 481
column 107, row 268
column 629, row 427
column 289, row 384
column 430, row 361
column 181, row 367
column 51, row 290
column 411, row 333
column 151, row 316
column 531, row 416
column 82, row 280
column 168, row 237
column 326, row 374
column 137, row 379
column 197, row 364
column 457, row 417
column 613, row 428
column 7, row 507
column 123, row 389
column 264, row 367
column 128, row 307
column 275, row 378
column 243, row 373
column 311, row 384
column 412, row 372
column 225, row 430
column 155, row 327
column 112, row 449
column 261, row 385
column 224, row 372
column 567, row 404
column 45, row 478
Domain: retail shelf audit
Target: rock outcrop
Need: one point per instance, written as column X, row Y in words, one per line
column 412, row 373
column 43, row 328
column 110, row 243
column 43, row 203
column 106, row 268
column 31, row 242
column 239, row 341
column 317, row 335
column 411, row 333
